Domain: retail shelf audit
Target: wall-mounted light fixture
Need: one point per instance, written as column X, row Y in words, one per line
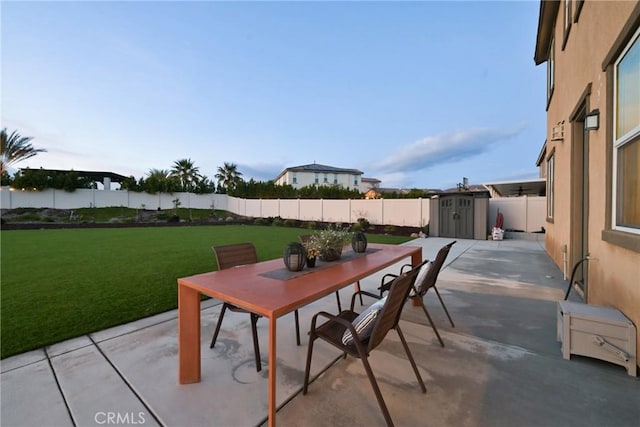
column 592, row 120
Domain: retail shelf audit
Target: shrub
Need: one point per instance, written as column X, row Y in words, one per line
column 277, row 222
column 357, row 227
column 311, row 225
column 364, row 223
column 289, row 223
column 229, row 219
column 261, row 221
column 389, row 229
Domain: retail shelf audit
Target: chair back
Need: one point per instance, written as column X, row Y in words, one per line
column 228, row 256
column 429, row 279
column 392, row 310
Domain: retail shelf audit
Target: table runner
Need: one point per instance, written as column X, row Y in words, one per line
column 284, row 274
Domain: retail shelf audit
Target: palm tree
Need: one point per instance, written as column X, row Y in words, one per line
column 187, row 173
column 15, row 148
column 228, row 175
column 159, row 180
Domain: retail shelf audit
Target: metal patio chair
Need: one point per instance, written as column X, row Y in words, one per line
column 427, row 278
column 337, row 329
column 228, row 256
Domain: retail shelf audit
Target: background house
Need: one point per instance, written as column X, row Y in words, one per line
column 317, row 174
column 592, row 150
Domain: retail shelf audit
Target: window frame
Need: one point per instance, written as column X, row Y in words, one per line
column 630, row 137
column 551, row 71
column 568, row 20
column 550, row 185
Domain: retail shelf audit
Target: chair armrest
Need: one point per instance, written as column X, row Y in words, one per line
column 404, row 266
column 384, row 284
column 337, row 319
column 355, row 294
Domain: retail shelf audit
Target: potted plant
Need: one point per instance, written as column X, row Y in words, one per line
column 312, row 252
column 330, row 241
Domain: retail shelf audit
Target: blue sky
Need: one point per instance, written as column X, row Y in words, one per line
column 416, row 94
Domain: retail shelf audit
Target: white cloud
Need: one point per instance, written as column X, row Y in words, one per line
column 450, row 147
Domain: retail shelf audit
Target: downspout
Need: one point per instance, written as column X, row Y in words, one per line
column 564, row 262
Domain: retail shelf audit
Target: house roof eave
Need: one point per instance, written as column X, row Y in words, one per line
column 546, row 25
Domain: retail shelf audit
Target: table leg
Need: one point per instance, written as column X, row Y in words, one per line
column 188, row 335
column 272, row 371
column 416, row 258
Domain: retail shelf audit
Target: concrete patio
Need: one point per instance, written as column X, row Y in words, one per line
column 501, row 364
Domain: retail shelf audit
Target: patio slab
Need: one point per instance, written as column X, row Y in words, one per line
column 501, row 365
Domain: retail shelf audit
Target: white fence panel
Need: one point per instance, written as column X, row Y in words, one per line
column 404, row 212
column 525, row 213
column 270, row 208
column 335, row 211
column 371, row 209
column 104, row 199
column 290, row 208
column 252, row 208
column 311, row 210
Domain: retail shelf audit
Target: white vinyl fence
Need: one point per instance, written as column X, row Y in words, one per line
column 521, row 213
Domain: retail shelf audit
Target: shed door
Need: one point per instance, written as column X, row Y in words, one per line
column 464, row 213
column 456, row 217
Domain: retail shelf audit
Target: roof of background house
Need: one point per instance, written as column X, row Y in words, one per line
column 316, row 167
column 94, row 175
column 372, row 180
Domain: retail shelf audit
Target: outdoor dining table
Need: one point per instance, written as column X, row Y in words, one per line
column 268, row 289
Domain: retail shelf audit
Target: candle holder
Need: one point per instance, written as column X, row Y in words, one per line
column 359, row 242
column 294, row 256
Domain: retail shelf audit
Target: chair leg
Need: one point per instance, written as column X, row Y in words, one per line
column 256, row 347
column 376, row 390
column 413, row 362
column 433, row 325
column 215, row 334
column 358, row 290
column 295, row 315
column 339, row 305
column 305, row 384
column 444, row 306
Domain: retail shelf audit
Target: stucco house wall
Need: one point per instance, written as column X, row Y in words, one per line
column 583, row 81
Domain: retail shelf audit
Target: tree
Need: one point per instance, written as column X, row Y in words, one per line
column 187, row 173
column 160, row 180
column 15, row 148
column 228, row 176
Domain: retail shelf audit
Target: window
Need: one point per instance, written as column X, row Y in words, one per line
column 626, row 147
column 567, row 22
column 355, row 180
column 316, row 180
column 326, row 178
column 550, row 178
column 295, row 178
column 335, row 178
column 551, row 72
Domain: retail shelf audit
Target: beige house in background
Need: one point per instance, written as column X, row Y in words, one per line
column 317, row 174
column 591, row 155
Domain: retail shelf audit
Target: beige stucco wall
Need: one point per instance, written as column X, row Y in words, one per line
column 614, row 271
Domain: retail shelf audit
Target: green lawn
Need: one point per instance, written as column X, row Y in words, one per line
column 59, row 284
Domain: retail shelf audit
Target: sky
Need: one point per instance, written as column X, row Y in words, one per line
column 415, row 94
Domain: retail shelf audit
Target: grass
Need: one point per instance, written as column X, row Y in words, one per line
column 60, row 284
